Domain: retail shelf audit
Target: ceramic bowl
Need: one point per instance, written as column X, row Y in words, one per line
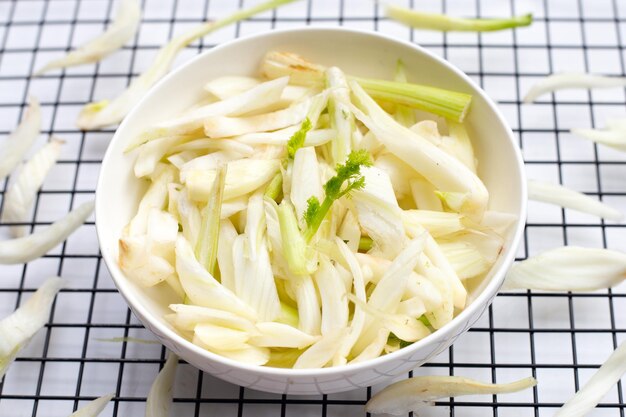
column 356, row 52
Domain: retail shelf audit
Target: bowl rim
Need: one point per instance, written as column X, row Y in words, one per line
column 481, row 300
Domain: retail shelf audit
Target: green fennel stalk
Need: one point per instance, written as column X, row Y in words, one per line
column 206, row 248
column 445, row 23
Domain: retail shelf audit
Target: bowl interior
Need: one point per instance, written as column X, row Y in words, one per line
column 358, row 53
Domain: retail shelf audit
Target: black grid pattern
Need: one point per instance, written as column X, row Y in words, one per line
column 558, row 338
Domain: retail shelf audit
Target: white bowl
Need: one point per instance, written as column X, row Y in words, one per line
column 357, row 52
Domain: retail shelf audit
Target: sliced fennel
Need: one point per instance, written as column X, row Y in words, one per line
column 305, row 181
column 242, row 177
column 390, row 288
column 442, row 22
column 200, row 286
column 224, row 126
column 25, row 249
column 417, row 285
column 415, row 393
column 19, row 327
column 282, row 336
column 187, row 317
column 406, row 327
column 21, row 139
column 442, row 170
column 295, row 251
column 614, row 135
column 378, row 212
column 213, row 337
column 335, row 312
column 350, row 233
column 226, row 240
column 568, row 268
column 404, row 114
column 94, row 408
column 249, row 235
column 22, row 191
column 450, row 104
column 358, row 320
column 148, row 259
column 107, row 112
column 460, row 145
column 257, row 98
column 121, row 30
column 564, row 197
column 424, row 195
column 254, row 280
column 230, row 85
column 206, row 247
column 598, row 385
column 566, row 80
column 161, row 392
column 438, row 223
column 465, row 258
column 252, row 355
column 281, row 137
column 322, row 352
column 305, row 294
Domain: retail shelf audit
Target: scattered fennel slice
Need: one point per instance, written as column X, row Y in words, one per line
column 108, row 112
column 25, row 249
column 159, row 398
column 564, row 197
column 614, row 135
column 22, row 191
column 19, row 327
column 21, row 139
column 567, row 80
column 600, row 383
column 121, row 30
column 93, row 408
column 569, row 268
column 415, row 393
